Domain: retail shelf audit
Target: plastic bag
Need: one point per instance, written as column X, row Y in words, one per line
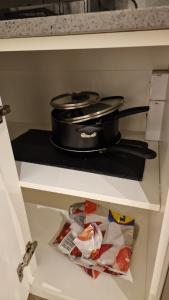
column 97, row 239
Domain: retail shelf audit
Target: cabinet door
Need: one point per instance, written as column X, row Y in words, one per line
column 10, row 251
column 14, row 229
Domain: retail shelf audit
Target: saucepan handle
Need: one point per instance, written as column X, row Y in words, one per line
column 112, row 98
column 136, row 143
column 131, row 111
column 134, row 150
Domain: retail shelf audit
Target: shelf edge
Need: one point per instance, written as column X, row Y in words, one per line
column 115, row 200
column 126, row 39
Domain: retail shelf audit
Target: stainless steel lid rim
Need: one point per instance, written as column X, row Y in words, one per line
column 92, row 112
column 95, row 115
column 75, row 100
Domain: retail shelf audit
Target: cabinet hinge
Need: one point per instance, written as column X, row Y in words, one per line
column 4, row 110
column 30, row 249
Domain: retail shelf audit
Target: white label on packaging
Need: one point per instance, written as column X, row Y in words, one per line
column 67, row 244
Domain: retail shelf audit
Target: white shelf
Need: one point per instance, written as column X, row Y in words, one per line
column 143, row 194
column 88, row 41
column 58, row 278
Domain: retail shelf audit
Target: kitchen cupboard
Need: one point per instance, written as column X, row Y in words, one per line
column 111, row 63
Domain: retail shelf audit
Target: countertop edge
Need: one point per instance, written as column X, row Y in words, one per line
column 103, row 22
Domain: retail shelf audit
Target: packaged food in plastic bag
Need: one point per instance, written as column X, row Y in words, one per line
column 64, row 241
column 96, row 239
column 119, row 234
column 79, row 211
column 93, row 273
column 89, row 241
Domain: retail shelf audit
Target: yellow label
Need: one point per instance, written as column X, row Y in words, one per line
column 120, row 218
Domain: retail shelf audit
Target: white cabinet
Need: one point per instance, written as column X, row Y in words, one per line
column 27, row 82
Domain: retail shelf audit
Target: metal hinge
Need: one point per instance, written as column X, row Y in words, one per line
column 30, row 249
column 4, row 110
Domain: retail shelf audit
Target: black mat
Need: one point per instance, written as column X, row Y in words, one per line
column 34, row 146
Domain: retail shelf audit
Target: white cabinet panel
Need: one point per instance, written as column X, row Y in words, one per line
column 14, row 229
column 10, row 252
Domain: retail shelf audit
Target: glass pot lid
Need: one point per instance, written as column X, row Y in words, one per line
column 103, row 108
column 75, row 100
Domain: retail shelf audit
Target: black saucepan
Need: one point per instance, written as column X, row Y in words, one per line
column 92, row 135
column 133, row 147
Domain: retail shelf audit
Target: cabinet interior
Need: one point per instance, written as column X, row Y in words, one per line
column 28, row 80
column 44, row 217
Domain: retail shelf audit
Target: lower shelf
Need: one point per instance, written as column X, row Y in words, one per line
column 57, row 278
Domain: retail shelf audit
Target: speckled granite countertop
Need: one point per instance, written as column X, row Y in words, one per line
column 122, row 20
